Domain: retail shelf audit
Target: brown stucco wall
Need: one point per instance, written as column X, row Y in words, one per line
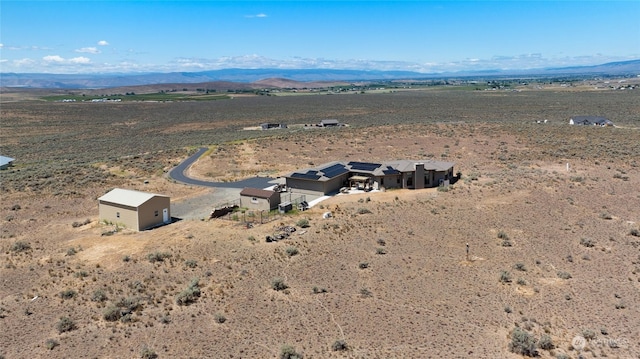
column 305, row 186
column 333, row 185
column 260, row 204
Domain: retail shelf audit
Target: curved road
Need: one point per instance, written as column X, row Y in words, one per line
column 177, row 173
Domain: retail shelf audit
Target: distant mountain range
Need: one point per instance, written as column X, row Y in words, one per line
column 96, row 81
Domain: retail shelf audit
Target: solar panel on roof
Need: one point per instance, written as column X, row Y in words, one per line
column 310, row 175
column 333, row 167
column 334, row 170
column 390, row 171
column 364, row 166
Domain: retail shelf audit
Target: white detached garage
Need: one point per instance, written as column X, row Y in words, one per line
column 135, row 209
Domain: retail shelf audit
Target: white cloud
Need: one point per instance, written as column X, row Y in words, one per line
column 103, row 43
column 1, row 46
column 89, row 50
column 131, row 64
column 517, row 62
column 80, row 60
column 24, row 62
column 260, row 15
column 53, row 58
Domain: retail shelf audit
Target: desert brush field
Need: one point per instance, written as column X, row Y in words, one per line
column 550, row 213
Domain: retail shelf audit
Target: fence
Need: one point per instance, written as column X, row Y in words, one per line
column 295, row 201
column 251, row 216
column 257, row 216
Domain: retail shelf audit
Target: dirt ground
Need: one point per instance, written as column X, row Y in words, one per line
column 554, row 250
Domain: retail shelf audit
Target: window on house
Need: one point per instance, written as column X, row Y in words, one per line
column 117, row 214
column 410, row 181
column 155, row 213
column 254, row 200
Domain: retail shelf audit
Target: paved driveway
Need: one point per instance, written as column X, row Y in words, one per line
column 177, row 173
column 222, row 192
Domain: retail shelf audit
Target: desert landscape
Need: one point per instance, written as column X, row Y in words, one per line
column 533, row 251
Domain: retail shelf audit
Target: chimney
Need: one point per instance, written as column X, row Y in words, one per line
column 419, row 176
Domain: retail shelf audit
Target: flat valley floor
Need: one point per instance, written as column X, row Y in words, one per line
column 551, row 214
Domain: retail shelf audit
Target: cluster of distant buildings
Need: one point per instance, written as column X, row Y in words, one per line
column 94, row 100
column 576, row 120
column 590, row 121
column 323, row 123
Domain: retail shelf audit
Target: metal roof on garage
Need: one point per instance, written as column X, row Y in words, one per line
column 127, row 197
column 256, row 192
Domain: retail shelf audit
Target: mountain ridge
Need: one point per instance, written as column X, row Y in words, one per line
column 247, row 76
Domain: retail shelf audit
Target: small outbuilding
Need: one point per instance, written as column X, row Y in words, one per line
column 590, row 121
column 135, row 209
column 270, row 126
column 330, row 123
column 259, row 199
column 6, row 162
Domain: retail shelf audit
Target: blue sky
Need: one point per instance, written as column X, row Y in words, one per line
column 426, row 36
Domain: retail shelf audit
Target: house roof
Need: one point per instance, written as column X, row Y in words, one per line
column 324, row 172
column 256, row 192
column 4, row 160
column 128, row 197
column 591, row 120
column 436, row 165
column 329, row 121
column 332, row 169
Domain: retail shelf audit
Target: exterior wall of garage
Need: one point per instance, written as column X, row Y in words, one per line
column 317, row 188
column 150, row 213
column 119, row 214
column 305, row 186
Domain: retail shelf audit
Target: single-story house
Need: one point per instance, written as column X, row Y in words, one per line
column 329, row 123
column 268, row 126
column 331, row 177
column 134, row 209
column 259, row 199
column 6, row 162
column 590, row 121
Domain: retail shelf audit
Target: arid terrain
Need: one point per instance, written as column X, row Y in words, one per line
column 550, row 213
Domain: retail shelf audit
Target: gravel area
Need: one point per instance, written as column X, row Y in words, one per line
column 201, row 206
